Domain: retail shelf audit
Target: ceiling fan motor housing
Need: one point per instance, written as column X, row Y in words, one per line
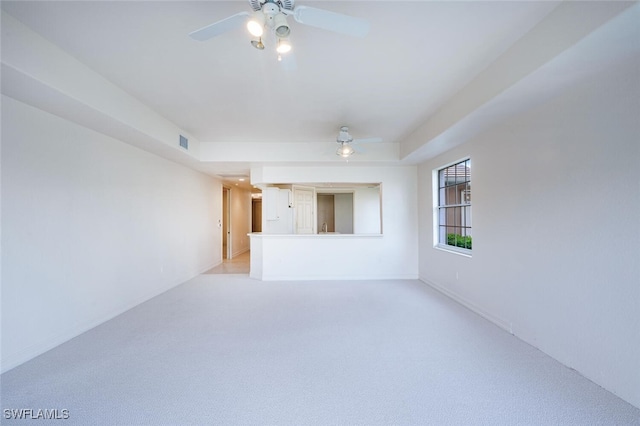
column 270, row 11
column 257, row 5
column 344, row 135
column 273, row 15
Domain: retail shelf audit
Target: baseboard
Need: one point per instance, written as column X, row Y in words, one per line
column 505, row 325
column 238, row 253
column 337, row 277
column 210, row 266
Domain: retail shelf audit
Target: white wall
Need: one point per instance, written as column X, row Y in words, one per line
column 366, row 211
column 343, row 208
column 39, row 73
column 91, row 227
column 556, row 249
column 392, row 255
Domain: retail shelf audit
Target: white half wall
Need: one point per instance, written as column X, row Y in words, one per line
column 91, row 227
column 556, row 236
column 394, row 254
column 277, row 257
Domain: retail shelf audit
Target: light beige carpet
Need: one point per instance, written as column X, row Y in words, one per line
column 228, row 350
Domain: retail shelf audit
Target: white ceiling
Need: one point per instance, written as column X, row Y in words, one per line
column 416, row 58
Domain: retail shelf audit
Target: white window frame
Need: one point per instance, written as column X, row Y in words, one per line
column 436, row 212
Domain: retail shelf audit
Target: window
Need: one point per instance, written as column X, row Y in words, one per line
column 453, row 207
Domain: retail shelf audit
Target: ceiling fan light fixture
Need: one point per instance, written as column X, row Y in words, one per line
column 284, row 45
column 280, row 25
column 345, row 150
column 255, row 25
column 258, row 44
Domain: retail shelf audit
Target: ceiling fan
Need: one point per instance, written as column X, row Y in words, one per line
column 272, row 15
column 345, row 140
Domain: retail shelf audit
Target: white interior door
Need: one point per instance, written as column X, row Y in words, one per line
column 305, row 200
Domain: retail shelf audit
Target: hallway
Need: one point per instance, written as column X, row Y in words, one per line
column 236, row 265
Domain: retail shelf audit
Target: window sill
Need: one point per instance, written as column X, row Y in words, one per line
column 454, row 250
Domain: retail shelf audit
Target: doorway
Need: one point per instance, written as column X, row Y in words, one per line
column 226, row 223
column 326, row 213
column 256, row 215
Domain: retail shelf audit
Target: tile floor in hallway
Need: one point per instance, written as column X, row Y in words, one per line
column 236, row 265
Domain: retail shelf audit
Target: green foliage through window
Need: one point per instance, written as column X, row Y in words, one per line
column 459, row 240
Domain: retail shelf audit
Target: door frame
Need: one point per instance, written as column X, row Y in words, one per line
column 226, row 224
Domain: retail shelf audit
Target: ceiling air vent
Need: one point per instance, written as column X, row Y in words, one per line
column 184, row 142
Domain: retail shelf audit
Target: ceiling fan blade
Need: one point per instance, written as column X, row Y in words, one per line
column 220, row 27
column 331, row 21
column 367, row 140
